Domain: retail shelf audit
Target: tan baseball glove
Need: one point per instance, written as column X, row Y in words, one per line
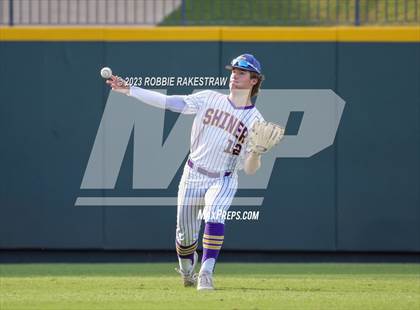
column 264, row 135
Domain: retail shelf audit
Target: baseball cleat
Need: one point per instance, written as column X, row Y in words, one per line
column 205, row 281
column 189, row 278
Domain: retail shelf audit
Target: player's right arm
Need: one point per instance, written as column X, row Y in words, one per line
column 153, row 98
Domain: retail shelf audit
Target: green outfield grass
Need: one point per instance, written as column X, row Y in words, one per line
column 239, row 286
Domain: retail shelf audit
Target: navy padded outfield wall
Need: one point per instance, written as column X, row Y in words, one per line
column 360, row 194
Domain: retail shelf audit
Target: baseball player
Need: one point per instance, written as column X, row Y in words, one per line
column 222, row 142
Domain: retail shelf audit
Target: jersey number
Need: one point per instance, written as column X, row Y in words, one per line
column 233, row 149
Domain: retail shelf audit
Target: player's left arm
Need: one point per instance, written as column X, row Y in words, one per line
column 252, row 163
column 252, row 160
column 264, row 136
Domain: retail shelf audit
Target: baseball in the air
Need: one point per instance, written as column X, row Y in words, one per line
column 106, row 72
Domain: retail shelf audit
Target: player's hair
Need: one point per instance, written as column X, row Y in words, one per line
column 256, row 88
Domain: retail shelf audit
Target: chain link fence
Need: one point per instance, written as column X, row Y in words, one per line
column 209, row 12
column 86, row 12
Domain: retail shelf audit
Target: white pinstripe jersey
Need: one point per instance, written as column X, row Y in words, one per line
column 219, row 130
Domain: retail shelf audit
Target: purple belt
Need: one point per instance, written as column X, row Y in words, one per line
column 208, row 173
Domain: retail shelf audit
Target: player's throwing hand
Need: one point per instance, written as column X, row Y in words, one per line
column 118, row 84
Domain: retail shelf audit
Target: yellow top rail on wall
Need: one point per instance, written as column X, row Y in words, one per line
column 226, row 34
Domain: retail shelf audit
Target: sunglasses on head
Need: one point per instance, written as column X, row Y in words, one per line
column 242, row 63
